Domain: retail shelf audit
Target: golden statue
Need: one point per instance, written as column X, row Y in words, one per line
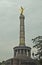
column 22, row 10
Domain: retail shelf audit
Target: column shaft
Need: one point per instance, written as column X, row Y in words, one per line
column 22, row 30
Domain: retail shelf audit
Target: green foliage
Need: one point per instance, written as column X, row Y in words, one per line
column 40, row 61
column 3, row 63
column 38, row 45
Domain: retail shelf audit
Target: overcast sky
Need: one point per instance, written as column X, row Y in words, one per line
column 9, row 24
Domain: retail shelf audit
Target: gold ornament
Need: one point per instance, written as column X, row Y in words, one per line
column 21, row 10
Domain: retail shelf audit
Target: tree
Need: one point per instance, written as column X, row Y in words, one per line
column 3, row 63
column 38, row 45
column 0, row 63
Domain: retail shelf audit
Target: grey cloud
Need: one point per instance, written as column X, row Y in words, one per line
column 9, row 24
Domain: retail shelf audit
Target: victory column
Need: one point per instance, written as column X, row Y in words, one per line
column 22, row 53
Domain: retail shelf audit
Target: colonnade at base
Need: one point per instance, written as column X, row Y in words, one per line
column 23, row 50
